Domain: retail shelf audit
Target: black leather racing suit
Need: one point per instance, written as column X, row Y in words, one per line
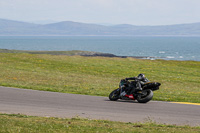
column 138, row 86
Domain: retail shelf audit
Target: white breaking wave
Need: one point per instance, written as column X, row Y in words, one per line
column 180, row 56
column 170, row 57
column 161, row 52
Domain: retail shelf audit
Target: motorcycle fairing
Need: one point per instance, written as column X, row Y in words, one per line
column 151, row 85
column 130, row 96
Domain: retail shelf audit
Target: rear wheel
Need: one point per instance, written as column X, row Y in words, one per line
column 114, row 95
column 145, row 96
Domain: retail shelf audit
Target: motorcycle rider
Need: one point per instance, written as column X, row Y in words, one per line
column 140, row 79
column 138, row 88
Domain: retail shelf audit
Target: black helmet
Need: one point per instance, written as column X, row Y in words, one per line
column 141, row 77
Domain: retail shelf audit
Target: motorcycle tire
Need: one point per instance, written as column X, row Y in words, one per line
column 145, row 98
column 114, row 95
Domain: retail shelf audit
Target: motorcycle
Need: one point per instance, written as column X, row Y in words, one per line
column 127, row 90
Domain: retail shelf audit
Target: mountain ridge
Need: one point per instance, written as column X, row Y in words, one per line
column 12, row 27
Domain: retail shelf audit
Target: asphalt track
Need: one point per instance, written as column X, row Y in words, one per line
column 52, row 104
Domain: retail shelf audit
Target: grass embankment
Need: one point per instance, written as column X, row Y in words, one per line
column 98, row 75
column 26, row 124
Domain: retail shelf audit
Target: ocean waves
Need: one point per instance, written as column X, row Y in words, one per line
column 168, row 48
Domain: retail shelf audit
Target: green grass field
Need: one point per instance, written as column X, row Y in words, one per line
column 98, row 75
column 25, row 124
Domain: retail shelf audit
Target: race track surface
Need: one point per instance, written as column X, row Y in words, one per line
column 41, row 103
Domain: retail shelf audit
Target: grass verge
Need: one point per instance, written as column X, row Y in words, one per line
column 98, row 75
column 14, row 123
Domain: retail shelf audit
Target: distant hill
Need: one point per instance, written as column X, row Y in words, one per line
column 10, row 27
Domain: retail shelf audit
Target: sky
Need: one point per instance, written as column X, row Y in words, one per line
column 135, row 12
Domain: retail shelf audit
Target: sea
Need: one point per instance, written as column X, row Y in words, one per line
column 149, row 47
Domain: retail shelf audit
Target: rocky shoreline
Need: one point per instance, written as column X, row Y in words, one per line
column 112, row 55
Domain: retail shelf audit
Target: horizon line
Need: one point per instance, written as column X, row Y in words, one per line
column 22, row 21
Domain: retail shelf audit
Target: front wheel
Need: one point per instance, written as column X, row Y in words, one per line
column 145, row 96
column 114, row 95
